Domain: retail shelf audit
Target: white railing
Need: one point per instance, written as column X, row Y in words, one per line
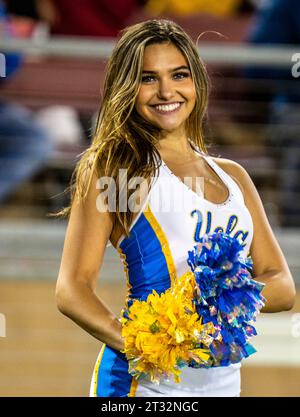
column 216, row 53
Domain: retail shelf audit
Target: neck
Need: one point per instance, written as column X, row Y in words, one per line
column 174, row 143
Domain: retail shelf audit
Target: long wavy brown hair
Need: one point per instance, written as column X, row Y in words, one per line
column 122, row 138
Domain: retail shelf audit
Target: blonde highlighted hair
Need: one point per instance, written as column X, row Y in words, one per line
column 122, row 138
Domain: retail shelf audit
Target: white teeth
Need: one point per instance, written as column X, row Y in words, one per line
column 167, row 107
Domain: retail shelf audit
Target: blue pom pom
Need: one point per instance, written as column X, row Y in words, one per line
column 227, row 296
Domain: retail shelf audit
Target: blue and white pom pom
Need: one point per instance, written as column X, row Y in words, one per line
column 226, row 295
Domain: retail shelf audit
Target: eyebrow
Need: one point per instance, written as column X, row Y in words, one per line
column 182, row 67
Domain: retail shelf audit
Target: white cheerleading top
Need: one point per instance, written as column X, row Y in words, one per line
column 171, row 221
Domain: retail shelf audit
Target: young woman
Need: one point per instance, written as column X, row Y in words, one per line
column 150, row 127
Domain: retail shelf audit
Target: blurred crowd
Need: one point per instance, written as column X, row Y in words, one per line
column 28, row 139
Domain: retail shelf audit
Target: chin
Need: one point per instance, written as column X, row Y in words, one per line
column 168, row 127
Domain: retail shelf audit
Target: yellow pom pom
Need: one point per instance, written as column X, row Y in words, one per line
column 165, row 331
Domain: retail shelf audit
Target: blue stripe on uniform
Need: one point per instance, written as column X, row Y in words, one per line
column 147, row 265
column 113, row 377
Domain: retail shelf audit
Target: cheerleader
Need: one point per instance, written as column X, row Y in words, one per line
column 130, row 188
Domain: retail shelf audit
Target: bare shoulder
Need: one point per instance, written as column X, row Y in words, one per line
column 251, row 196
column 236, row 171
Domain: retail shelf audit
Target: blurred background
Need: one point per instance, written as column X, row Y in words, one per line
column 55, row 54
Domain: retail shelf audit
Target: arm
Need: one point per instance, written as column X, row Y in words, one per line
column 269, row 264
column 87, row 234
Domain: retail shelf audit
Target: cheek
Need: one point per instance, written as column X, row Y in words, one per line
column 192, row 97
column 140, row 101
column 191, row 92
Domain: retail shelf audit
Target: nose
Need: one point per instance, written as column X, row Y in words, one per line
column 166, row 89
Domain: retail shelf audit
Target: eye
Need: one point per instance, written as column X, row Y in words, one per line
column 181, row 75
column 148, row 78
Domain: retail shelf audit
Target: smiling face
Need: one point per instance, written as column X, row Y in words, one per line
column 167, row 94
